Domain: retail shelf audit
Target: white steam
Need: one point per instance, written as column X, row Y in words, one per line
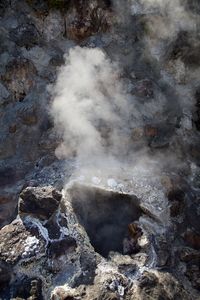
column 90, row 107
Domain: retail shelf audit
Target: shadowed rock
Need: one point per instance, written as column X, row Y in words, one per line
column 105, row 215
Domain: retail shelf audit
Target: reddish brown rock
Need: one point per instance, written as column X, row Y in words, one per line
column 192, row 239
column 12, row 128
column 150, row 131
column 19, row 77
column 28, row 116
column 95, row 20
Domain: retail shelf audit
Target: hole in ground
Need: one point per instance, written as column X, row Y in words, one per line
column 105, row 215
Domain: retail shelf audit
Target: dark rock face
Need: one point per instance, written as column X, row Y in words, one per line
column 26, row 35
column 60, row 247
column 5, row 274
column 39, row 202
column 102, row 216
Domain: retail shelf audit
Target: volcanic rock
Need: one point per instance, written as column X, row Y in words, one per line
column 39, row 202
column 17, row 242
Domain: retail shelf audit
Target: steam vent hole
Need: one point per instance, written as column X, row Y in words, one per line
column 105, row 215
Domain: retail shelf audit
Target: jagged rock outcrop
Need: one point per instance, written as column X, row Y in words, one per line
column 48, row 248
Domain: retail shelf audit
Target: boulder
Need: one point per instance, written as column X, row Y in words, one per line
column 39, row 202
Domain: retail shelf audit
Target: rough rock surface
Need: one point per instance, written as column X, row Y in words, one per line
column 41, row 202
column 128, row 232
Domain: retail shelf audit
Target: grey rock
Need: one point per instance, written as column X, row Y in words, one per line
column 38, row 56
column 54, row 26
column 25, row 35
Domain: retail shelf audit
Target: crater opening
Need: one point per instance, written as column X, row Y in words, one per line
column 105, row 215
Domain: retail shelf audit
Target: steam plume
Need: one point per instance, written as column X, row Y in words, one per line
column 90, row 106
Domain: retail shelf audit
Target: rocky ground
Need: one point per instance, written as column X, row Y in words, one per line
column 70, row 230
